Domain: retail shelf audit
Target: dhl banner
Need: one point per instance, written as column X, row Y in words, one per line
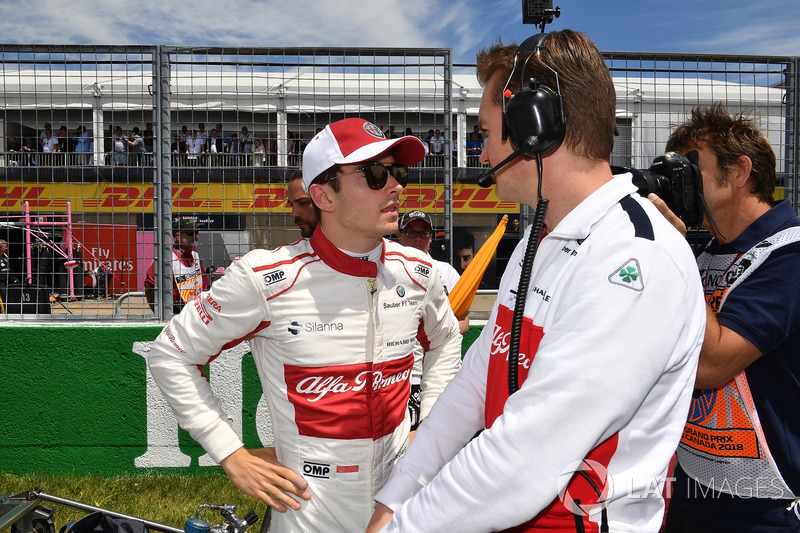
column 219, row 197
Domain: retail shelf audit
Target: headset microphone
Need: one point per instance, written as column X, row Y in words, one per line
column 485, row 179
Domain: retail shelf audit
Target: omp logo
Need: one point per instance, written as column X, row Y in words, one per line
column 587, row 471
column 320, row 470
column 295, row 327
column 422, row 270
column 274, row 277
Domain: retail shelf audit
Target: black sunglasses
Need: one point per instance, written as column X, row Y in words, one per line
column 377, row 174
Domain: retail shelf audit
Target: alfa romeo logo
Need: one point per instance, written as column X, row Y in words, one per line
column 373, row 130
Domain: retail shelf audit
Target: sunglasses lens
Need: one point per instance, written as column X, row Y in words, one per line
column 400, row 175
column 376, row 176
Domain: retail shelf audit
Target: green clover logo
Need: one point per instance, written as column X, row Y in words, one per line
column 628, row 274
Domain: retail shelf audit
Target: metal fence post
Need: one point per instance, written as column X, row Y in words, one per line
column 792, row 76
column 162, row 186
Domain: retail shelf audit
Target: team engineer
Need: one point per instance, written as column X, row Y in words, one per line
column 188, row 277
column 738, row 461
column 610, row 336
column 301, row 205
column 416, row 230
column 332, row 322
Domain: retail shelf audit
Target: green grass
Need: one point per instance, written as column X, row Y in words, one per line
column 166, row 498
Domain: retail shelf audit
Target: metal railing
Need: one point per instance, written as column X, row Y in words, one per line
column 120, row 212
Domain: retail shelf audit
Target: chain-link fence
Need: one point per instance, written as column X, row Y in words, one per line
column 105, row 147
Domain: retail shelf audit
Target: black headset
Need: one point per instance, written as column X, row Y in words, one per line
column 533, row 117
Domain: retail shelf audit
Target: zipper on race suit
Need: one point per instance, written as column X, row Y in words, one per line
column 371, row 356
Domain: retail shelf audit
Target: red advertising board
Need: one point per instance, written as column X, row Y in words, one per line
column 111, row 245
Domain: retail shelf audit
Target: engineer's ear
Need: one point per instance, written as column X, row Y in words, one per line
column 320, row 195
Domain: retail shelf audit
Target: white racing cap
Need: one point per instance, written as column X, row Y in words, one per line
column 355, row 140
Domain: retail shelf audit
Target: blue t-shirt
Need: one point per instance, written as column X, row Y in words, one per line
column 764, row 309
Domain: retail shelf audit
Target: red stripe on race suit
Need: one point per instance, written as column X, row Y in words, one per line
column 360, row 401
column 556, row 516
column 497, row 380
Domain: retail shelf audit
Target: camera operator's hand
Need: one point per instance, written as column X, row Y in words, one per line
column 259, row 474
column 669, row 215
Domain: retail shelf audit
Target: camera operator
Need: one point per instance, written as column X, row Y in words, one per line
column 739, row 458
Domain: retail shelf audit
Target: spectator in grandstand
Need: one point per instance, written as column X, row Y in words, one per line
column 474, row 149
column 214, row 146
column 454, row 149
column 258, row 154
column 301, row 146
column 47, row 127
column 108, row 146
column 14, row 156
column 135, row 147
column 426, row 145
column 416, row 230
column 233, row 148
column 83, row 146
column 13, row 144
column 147, row 136
column 271, row 145
column 617, row 388
column 428, row 140
column 120, row 147
column 222, row 134
column 437, row 143
column 188, row 276
column 390, row 134
column 49, row 147
column 195, row 148
column 330, row 320
column 65, row 145
column 739, row 459
column 246, row 141
column 476, row 130
column 300, row 203
column 29, row 149
column 291, row 149
column 202, row 134
column 184, row 135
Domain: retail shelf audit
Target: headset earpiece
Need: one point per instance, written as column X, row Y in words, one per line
column 533, row 117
